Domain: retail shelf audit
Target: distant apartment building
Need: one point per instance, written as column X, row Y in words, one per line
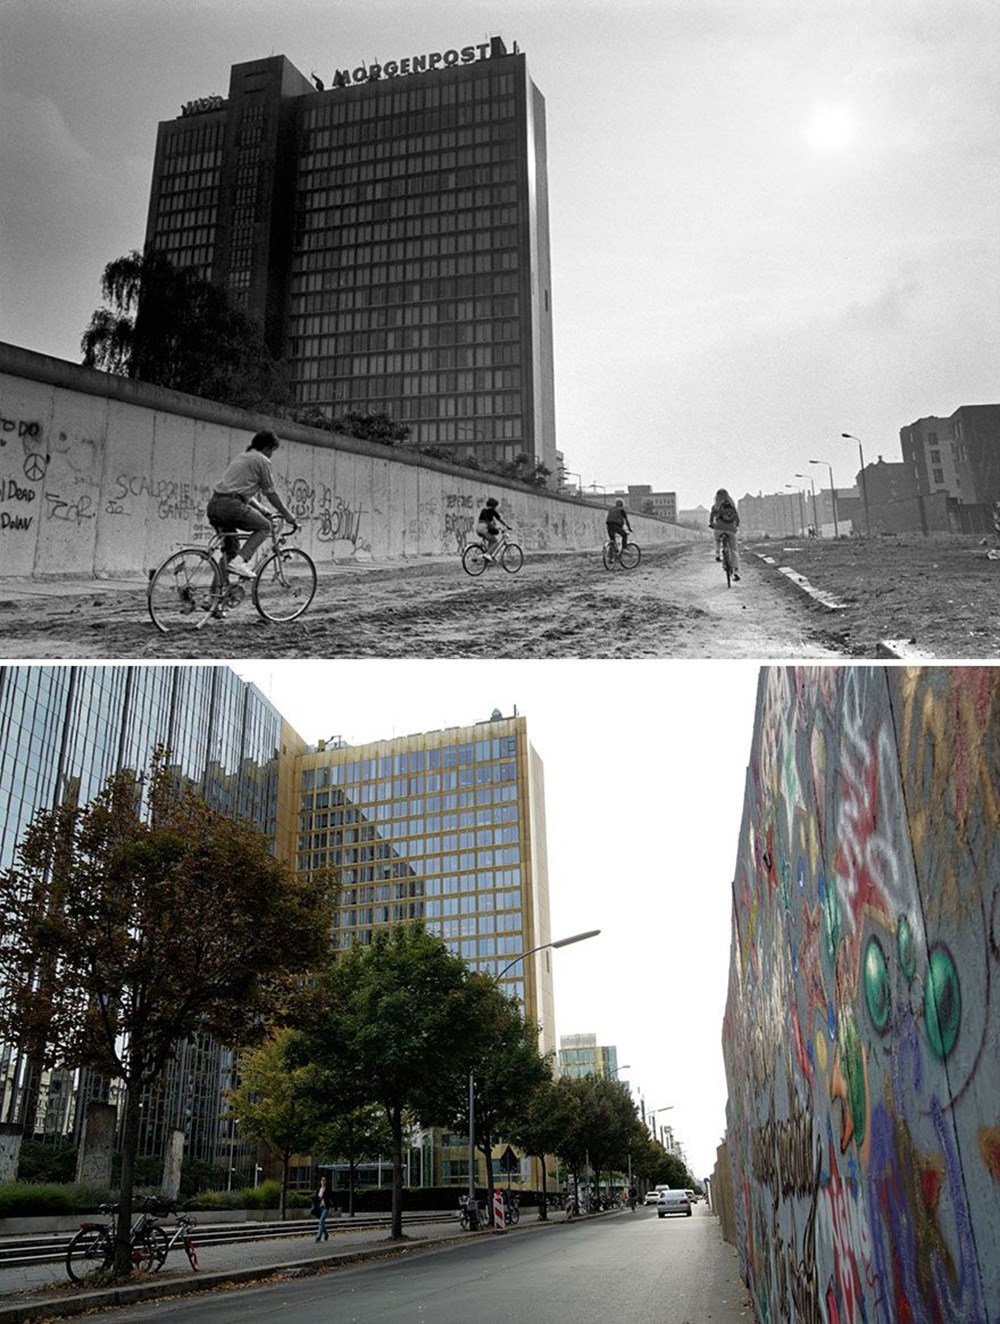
column 954, row 464
column 389, row 232
column 643, row 500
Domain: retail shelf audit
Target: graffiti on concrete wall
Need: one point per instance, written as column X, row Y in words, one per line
column 131, row 494
column 22, row 468
column 332, row 519
column 862, row 1034
column 459, row 518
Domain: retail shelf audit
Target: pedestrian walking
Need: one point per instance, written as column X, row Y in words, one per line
column 322, row 1204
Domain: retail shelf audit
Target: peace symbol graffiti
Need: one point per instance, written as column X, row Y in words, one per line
column 34, row 467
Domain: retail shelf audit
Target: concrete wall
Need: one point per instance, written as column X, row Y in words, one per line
column 104, row 476
column 862, row 1031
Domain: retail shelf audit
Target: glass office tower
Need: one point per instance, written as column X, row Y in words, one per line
column 390, row 234
column 447, row 827
column 63, row 732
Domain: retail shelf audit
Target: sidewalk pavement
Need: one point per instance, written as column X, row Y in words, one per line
column 43, row 1292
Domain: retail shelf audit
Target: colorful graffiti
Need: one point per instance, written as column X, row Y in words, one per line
column 862, row 1032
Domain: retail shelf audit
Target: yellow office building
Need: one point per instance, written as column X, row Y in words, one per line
column 447, row 827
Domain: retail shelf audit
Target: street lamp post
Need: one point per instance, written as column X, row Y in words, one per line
column 571, row 473
column 802, row 518
column 849, row 436
column 560, row 942
column 833, row 495
column 813, row 485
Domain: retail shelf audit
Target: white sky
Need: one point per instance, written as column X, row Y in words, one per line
column 773, row 221
column 645, row 766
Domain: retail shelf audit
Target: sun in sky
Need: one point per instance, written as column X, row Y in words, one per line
column 830, row 128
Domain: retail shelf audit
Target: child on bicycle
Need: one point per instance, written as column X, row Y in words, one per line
column 233, row 506
column 724, row 520
column 488, row 524
column 618, row 525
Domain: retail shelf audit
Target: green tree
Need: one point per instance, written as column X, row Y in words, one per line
column 399, row 1022
column 538, row 1130
column 275, row 1102
column 375, row 426
column 505, row 1078
column 361, row 1133
column 169, row 326
column 139, row 919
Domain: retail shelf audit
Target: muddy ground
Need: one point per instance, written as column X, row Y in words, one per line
column 939, row 593
column 675, row 604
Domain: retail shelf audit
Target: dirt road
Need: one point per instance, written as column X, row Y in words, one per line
column 675, row 604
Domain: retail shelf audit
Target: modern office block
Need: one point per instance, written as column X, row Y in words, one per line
column 63, row 731
column 389, row 232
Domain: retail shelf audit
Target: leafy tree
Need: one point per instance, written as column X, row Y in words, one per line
column 523, row 471
column 359, row 1134
column 122, row 932
column 275, row 1102
column 399, row 1023
column 377, row 426
column 538, row 1130
column 507, row 1076
column 169, row 326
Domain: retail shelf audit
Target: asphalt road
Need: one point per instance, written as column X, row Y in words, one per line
column 675, row 604
column 630, row 1266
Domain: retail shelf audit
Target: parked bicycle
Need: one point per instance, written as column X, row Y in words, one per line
column 471, row 1214
column 508, row 554
column 192, row 586
column 92, row 1250
column 621, row 558
column 511, row 1208
column 180, row 1235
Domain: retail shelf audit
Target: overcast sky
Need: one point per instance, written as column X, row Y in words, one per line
column 645, row 766
column 773, row 221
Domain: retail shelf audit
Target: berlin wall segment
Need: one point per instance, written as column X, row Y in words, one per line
column 862, row 1029
column 105, row 476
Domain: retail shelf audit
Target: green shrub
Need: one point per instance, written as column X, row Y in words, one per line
column 265, row 1196
column 32, row 1200
column 54, row 1164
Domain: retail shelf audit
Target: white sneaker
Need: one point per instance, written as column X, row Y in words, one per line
column 240, row 569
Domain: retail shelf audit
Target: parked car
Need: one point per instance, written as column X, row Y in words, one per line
column 651, row 1197
column 672, row 1202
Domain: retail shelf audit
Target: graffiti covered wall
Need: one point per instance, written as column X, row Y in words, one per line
column 102, row 475
column 862, row 1031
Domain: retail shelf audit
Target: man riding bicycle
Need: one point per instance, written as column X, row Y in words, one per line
column 618, row 526
column 724, row 520
column 233, row 507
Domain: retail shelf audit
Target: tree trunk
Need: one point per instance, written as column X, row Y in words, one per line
column 396, row 1127
column 543, row 1208
column 286, row 1155
column 350, row 1186
column 130, row 1144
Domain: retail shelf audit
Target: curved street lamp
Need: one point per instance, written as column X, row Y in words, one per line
column 559, row 942
column 849, row 436
column 833, row 495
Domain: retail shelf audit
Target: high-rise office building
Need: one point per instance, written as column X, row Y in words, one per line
column 582, row 1055
column 63, row 732
column 446, row 827
column 390, row 233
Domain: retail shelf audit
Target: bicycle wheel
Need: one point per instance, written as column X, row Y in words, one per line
column 191, row 1253
column 184, row 591
column 513, row 1214
column 630, row 555
column 610, row 556
column 474, row 559
column 512, row 558
column 284, row 585
column 727, row 562
column 90, row 1251
column 149, row 1249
